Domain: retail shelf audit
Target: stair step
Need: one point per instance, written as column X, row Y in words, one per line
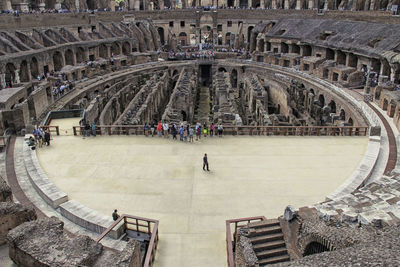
column 265, row 231
column 264, row 239
column 271, row 252
column 266, row 223
column 275, row 259
column 269, row 245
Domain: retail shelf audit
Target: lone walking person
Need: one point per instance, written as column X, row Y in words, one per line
column 205, row 162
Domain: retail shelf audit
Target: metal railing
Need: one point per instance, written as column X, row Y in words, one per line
column 244, row 130
column 229, row 242
column 140, row 225
column 51, row 129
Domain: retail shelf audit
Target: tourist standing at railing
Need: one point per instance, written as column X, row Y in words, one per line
column 174, row 132
column 152, row 128
column 159, row 129
column 146, row 129
column 212, row 127
column 220, row 129
column 94, row 129
column 191, row 135
column 47, row 137
column 165, row 129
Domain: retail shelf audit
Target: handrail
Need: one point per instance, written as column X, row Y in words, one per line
column 56, row 129
column 152, row 248
column 245, row 130
column 229, row 246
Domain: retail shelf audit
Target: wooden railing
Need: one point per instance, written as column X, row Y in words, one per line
column 232, row 237
column 51, row 129
column 245, row 130
column 141, row 225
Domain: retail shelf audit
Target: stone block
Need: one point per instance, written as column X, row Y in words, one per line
column 290, row 213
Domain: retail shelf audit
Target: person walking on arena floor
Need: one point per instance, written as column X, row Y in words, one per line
column 205, row 162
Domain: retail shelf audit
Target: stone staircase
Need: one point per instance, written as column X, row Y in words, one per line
column 268, row 242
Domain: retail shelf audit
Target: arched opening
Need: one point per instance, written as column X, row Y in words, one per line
column 80, row 55
column 228, row 38
column 243, row 3
column 184, row 116
column 350, row 122
column 234, row 78
column 69, row 57
column 312, row 91
column 175, row 73
column 385, row 104
column 10, row 74
column 278, row 109
column 342, row 115
column 91, row 4
column 182, row 39
column 307, row 50
column 115, row 49
column 160, row 31
column 284, row 48
column 57, row 61
column 296, row 49
column 330, row 54
column 332, row 106
column 261, row 45
column 50, row 4
column 23, row 72
column 314, row 248
column 34, row 67
column 386, row 68
column 321, row 100
column 341, row 57
column 126, row 48
column 103, row 51
column 222, row 69
column 353, row 61
column 231, row 3
column 249, row 29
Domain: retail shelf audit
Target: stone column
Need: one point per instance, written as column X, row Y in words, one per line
column 161, row 3
column 236, row 3
column 3, row 80
column 273, row 4
column 17, row 80
column 310, row 4
column 262, row 4
column 298, row 4
column 131, row 4
column 57, row 5
column 249, row 3
column 287, row 4
column 137, row 4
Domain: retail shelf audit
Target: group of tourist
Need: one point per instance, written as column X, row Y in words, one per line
column 88, row 129
column 61, row 88
column 186, row 133
column 39, row 137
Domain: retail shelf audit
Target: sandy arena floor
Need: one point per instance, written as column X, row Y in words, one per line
column 163, row 179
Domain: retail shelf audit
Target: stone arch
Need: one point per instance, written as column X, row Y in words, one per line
column 234, row 78
column 80, row 55
column 69, row 57
column 182, row 39
column 385, row 104
column 350, row 122
column 249, row 29
column 314, row 248
column 342, row 115
column 330, row 54
column 340, row 57
column 24, row 72
column 222, row 69
column 321, row 100
column 115, row 49
column 296, row 49
column 228, row 38
column 160, row 31
column 10, row 74
column 307, row 50
column 126, row 48
column 332, row 106
column 58, row 61
column 34, row 66
column 284, row 48
column 103, row 51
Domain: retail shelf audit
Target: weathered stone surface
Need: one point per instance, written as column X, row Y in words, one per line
column 129, row 257
column 12, row 215
column 290, row 213
column 44, row 243
column 5, row 191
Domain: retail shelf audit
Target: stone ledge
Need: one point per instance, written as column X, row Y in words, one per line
column 89, row 219
column 50, row 193
column 362, row 173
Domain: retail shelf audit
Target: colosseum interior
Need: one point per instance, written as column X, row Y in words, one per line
column 108, row 107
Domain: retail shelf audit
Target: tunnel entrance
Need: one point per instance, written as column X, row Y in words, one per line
column 205, row 75
column 314, row 248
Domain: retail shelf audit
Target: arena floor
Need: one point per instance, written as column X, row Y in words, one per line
column 163, row 179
